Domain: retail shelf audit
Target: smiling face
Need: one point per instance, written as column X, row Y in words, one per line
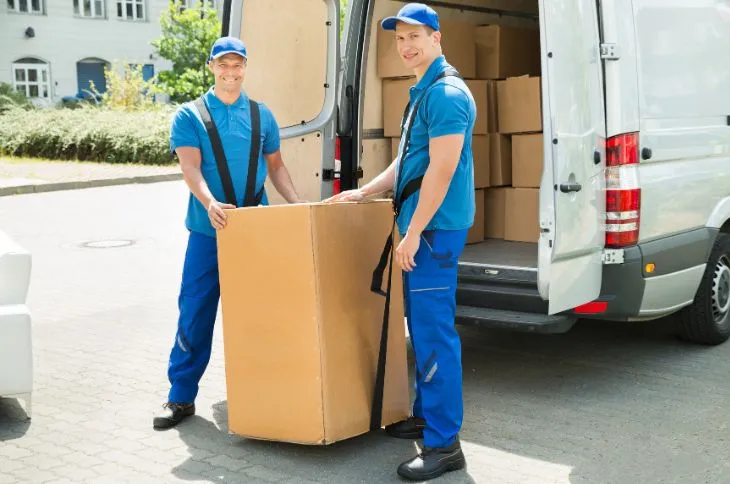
column 418, row 45
column 229, row 72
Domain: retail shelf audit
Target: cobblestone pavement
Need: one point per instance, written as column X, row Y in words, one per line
column 604, row 403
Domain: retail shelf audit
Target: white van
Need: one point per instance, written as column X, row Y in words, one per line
column 634, row 202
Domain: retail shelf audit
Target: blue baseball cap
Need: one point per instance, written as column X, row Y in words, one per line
column 228, row 45
column 414, row 14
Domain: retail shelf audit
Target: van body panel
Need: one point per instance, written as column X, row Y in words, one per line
column 574, row 132
column 296, row 76
column 669, row 293
column 684, row 104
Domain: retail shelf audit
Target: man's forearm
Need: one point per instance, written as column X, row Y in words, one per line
column 381, row 183
column 197, row 185
column 283, row 183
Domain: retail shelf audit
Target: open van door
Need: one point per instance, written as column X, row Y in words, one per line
column 572, row 193
column 293, row 60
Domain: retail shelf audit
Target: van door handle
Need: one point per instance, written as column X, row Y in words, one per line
column 570, row 187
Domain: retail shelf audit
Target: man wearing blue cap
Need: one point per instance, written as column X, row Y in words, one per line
column 226, row 144
column 433, row 183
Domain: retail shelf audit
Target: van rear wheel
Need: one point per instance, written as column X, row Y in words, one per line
column 707, row 320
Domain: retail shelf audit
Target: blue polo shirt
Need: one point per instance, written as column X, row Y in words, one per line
column 448, row 108
column 234, row 128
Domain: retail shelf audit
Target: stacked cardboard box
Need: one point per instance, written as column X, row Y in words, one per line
column 500, row 65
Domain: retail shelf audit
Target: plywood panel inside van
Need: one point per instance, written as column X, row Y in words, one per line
column 302, row 158
column 287, row 56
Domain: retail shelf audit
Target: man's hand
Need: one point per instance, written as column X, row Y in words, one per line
column 217, row 215
column 405, row 254
column 356, row 195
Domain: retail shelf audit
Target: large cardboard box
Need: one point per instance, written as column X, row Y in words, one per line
column 500, row 160
column 503, row 52
column 302, row 335
column 476, row 232
column 522, row 222
column 480, row 155
column 396, row 94
column 527, row 160
column 457, row 40
column 494, row 212
column 478, row 90
column 519, row 106
column 394, row 145
column 492, row 109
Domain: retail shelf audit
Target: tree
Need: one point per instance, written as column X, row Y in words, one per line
column 187, row 36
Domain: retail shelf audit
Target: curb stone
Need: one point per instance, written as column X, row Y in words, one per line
column 77, row 185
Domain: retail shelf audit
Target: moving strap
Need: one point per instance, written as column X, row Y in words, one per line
column 251, row 197
column 386, row 257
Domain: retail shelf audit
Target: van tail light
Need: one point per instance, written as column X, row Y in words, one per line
column 623, row 195
column 336, row 185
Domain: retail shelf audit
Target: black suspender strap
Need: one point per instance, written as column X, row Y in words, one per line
column 253, row 158
column 250, row 197
column 386, row 257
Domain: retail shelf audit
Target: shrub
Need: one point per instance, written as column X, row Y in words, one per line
column 88, row 134
column 10, row 98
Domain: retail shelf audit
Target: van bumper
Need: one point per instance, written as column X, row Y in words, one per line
column 624, row 286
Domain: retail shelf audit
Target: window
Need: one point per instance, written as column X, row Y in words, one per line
column 26, row 6
column 131, row 9
column 89, row 8
column 30, row 76
column 194, row 3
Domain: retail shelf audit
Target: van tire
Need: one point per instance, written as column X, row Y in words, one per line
column 707, row 320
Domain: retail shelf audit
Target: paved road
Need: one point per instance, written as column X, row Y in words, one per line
column 616, row 403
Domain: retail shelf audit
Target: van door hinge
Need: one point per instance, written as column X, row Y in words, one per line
column 609, row 52
column 613, row 256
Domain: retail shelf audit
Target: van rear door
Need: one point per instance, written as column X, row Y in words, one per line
column 572, row 193
column 293, row 62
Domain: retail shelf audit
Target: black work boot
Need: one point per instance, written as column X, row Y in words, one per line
column 172, row 414
column 432, row 462
column 410, row 428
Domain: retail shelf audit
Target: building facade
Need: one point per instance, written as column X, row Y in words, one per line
column 50, row 49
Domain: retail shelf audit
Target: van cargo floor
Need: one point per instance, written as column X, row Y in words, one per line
column 501, row 253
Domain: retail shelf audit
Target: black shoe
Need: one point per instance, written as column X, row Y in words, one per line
column 433, row 462
column 173, row 414
column 410, row 428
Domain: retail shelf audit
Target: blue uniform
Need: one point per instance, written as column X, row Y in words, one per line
column 200, row 289
column 430, row 289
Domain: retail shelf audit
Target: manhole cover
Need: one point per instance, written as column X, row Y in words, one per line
column 107, row 244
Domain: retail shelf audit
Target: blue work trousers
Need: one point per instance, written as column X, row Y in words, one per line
column 198, row 305
column 430, row 296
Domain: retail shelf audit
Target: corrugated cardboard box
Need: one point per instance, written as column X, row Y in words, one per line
column 479, row 93
column 500, row 160
column 301, row 335
column 394, row 145
column 507, row 51
column 457, row 40
column 519, row 106
column 396, row 94
column 521, row 222
column 494, row 212
column 480, row 154
column 527, row 160
column 492, row 110
column 476, row 232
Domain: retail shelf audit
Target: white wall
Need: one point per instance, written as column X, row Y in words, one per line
column 62, row 39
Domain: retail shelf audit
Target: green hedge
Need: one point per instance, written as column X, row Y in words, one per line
column 88, row 134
